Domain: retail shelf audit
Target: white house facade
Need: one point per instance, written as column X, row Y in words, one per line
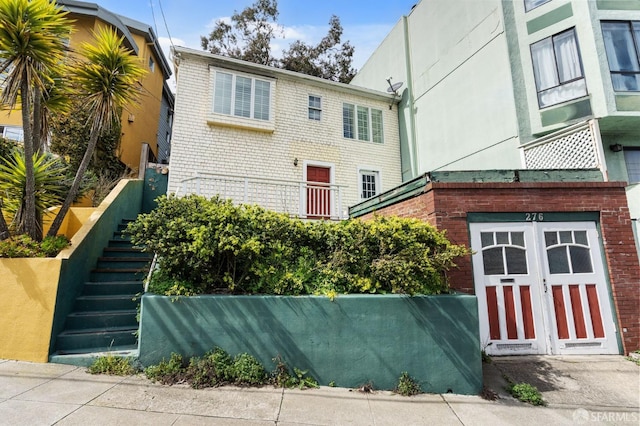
column 287, row 141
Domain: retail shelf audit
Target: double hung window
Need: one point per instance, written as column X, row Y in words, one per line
column 369, row 183
column 557, row 69
column 632, row 161
column 241, row 96
column 362, row 123
column 622, row 43
column 315, row 107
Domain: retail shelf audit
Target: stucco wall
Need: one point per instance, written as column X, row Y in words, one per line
column 351, row 340
column 201, row 147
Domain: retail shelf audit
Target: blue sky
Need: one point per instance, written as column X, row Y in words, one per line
column 365, row 22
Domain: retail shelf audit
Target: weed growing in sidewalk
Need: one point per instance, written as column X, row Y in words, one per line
column 526, row 392
column 407, row 386
column 113, row 365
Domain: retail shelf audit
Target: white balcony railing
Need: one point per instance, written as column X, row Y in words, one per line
column 305, row 200
column 574, row 147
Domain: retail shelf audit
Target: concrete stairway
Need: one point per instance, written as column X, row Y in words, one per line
column 104, row 315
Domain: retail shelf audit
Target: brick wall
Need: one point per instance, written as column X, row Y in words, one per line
column 446, row 206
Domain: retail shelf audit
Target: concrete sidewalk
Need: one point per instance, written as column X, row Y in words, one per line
column 579, row 390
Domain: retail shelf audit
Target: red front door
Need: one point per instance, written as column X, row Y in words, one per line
column 318, row 192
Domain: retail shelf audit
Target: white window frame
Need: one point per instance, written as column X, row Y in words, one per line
column 611, row 56
column 633, row 172
column 529, row 5
column 313, row 110
column 355, row 131
column 563, row 89
column 369, row 171
column 152, row 64
column 252, row 101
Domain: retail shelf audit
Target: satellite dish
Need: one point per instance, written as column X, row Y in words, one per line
column 393, row 88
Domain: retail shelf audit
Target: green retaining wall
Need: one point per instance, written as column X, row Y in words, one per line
column 351, row 340
column 77, row 268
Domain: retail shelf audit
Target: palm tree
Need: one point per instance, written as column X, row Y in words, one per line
column 32, row 48
column 107, row 81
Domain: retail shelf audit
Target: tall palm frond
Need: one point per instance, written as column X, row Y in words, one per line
column 32, row 46
column 107, row 81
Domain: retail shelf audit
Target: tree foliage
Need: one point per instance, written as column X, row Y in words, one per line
column 70, row 135
column 249, row 35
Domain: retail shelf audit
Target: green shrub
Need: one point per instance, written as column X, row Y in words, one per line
column 167, row 372
column 214, row 369
column 113, row 365
column 281, row 377
column 247, row 370
column 211, row 246
column 407, row 386
column 24, row 246
column 526, row 392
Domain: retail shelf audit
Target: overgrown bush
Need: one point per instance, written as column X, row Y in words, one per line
column 24, row 246
column 212, row 246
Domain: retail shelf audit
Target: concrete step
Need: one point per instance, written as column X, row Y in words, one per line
column 101, row 319
column 86, row 357
column 112, row 287
column 126, row 251
column 106, row 303
column 123, row 263
column 96, row 339
column 122, row 274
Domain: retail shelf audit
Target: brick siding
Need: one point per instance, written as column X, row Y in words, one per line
column 446, row 206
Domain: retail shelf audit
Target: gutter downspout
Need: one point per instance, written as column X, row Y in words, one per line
column 413, row 148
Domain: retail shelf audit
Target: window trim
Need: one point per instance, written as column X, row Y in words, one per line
column 354, row 130
column 557, row 72
column 368, row 170
column 224, row 119
column 314, row 109
column 636, row 45
column 627, row 149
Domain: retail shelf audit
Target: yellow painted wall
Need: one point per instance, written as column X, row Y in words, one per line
column 29, row 288
column 72, row 222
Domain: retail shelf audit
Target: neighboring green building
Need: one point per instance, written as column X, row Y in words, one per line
column 497, row 84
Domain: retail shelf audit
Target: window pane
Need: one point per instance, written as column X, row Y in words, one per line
column 581, row 237
column 625, row 82
column 314, row 114
column 222, row 97
column 544, row 64
column 493, row 262
column 567, row 56
column 261, row 100
column 517, row 239
column 516, row 260
column 580, row 260
column 314, row 102
column 532, row 4
column 243, row 97
column 376, row 125
column 558, row 261
column 363, row 123
column 486, row 238
column 550, row 238
column 348, row 121
column 618, row 42
column 502, row 237
column 565, row 237
column 562, row 93
column 632, row 161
